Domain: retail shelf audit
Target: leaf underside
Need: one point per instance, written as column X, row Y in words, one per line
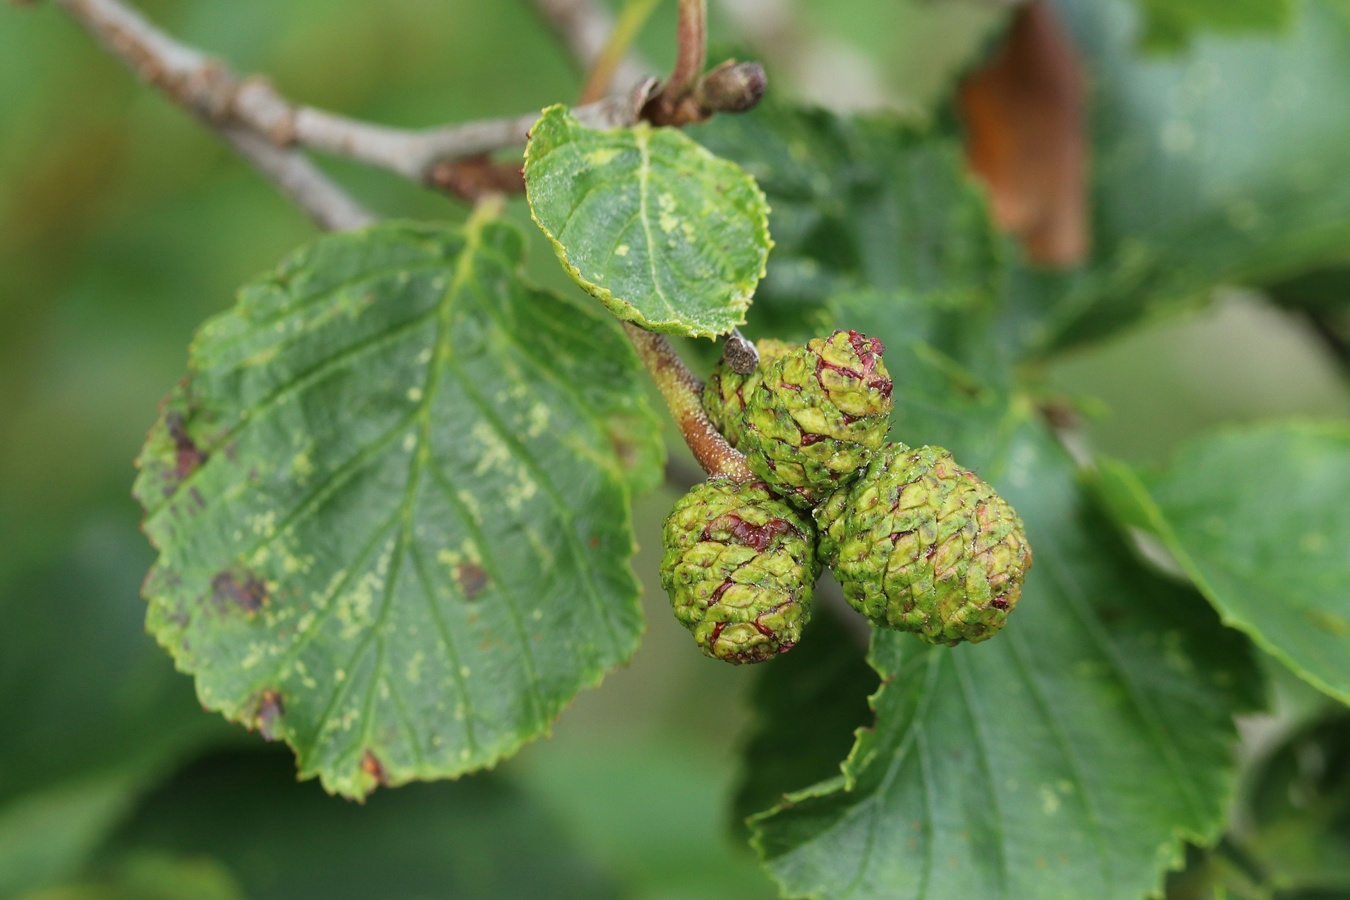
column 665, row 234
column 391, row 505
column 1259, row 517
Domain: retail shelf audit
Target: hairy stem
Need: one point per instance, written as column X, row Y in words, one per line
column 683, row 393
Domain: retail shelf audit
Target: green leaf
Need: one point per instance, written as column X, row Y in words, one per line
column 1170, row 24
column 1067, row 757
column 95, row 714
column 391, row 505
column 479, row 837
column 1258, row 518
column 1299, row 831
column 1224, row 164
column 807, row 705
column 860, row 203
column 654, row 226
column 151, row 876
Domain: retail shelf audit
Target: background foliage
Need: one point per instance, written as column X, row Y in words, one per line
column 123, row 225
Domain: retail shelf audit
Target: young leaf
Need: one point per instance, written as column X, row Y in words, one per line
column 1259, row 518
column 1067, row 757
column 391, row 508
column 657, row 228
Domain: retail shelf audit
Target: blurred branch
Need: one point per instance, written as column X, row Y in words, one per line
column 618, row 48
column 585, row 27
column 331, row 208
column 202, row 86
column 261, row 124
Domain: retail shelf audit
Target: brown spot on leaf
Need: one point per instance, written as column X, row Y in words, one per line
column 188, row 457
column 472, row 579
column 625, row 450
column 270, row 709
column 1025, row 137
column 241, row 589
column 371, row 765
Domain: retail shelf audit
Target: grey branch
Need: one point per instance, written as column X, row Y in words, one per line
column 331, row 208
column 251, row 115
column 203, row 86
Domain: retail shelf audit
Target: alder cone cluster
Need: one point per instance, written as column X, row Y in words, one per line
column 739, row 565
column 917, row 542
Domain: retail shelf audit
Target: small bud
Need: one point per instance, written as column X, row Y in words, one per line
column 739, row 565
column 739, row 353
column 726, row 392
column 732, row 87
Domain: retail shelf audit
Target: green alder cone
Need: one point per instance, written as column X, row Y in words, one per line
column 819, row 414
column 739, row 565
column 920, row 544
column 726, row 391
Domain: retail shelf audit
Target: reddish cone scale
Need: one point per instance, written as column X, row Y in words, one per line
column 739, row 566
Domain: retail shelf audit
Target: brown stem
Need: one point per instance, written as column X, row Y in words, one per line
column 676, row 103
column 683, row 393
column 691, row 49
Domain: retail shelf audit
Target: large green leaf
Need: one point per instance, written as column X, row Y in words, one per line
column 1067, row 757
column 1259, row 517
column 807, row 705
column 661, row 231
column 391, row 505
column 1224, row 163
column 149, row 876
column 861, row 203
column 479, row 837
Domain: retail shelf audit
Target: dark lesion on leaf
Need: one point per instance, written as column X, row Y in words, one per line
column 266, row 720
column 235, row 589
column 472, row 579
column 188, row 457
column 625, row 448
column 371, row 765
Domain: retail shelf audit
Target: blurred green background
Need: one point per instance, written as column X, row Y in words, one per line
column 123, row 224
